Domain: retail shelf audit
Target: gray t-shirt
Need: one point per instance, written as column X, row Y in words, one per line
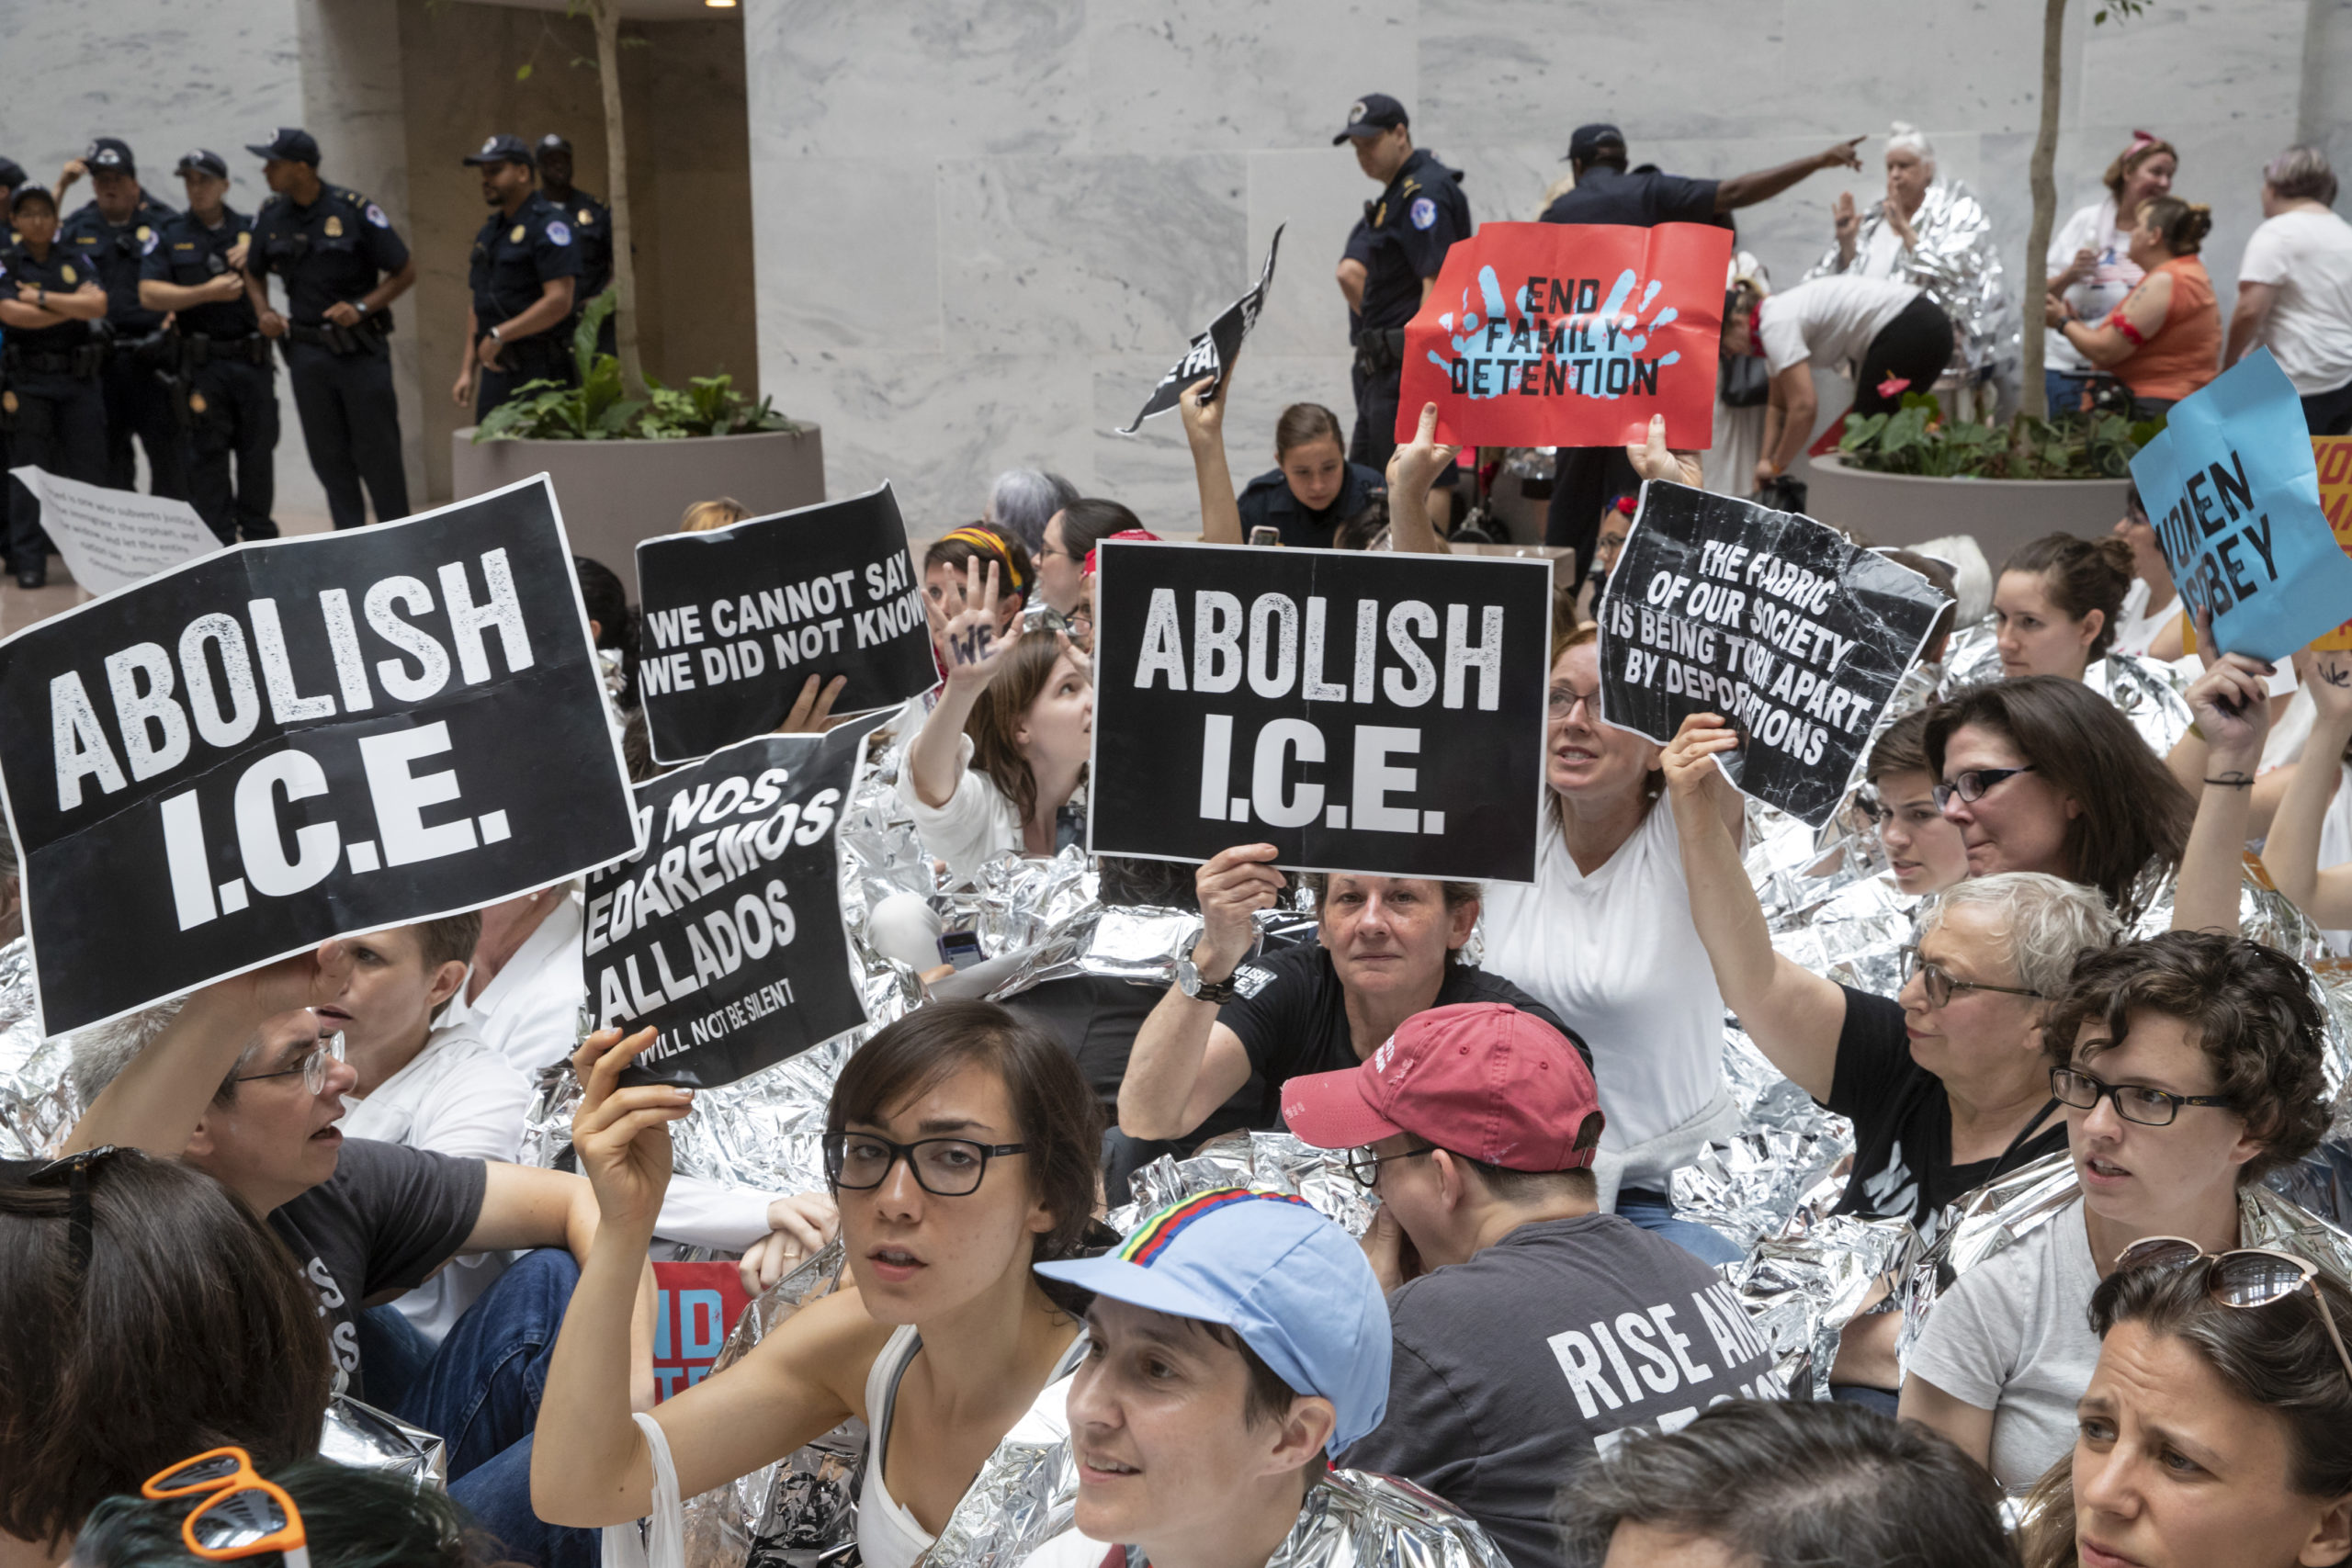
column 2013, row 1335
column 1512, row 1368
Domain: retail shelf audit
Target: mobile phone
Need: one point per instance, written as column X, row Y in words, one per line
column 1265, row 534
column 961, row 949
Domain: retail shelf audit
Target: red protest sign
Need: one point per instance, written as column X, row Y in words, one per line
column 694, row 1307
column 1566, row 334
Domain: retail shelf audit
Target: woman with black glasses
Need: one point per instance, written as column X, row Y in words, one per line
column 962, row 1148
column 2189, row 1065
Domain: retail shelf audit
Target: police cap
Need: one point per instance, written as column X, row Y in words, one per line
column 112, row 153
column 555, row 142
column 31, row 190
column 1371, row 115
column 203, row 160
column 502, row 150
column 1587, row 140
column 12, row 173
column 288, row 143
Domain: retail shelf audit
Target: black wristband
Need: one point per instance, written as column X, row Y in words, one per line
column 2232, row 783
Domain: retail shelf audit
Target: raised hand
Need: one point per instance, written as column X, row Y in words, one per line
column 621, row 1136
column 1232, row 886
column 1205, row 421
column 1414, row 467
column 1843, row 154
column 1689, row 761
column 1651, row 460
column 2330, row 680
column 1844, row 222
column 2232, row 704
column 812, row 713
column 969, row 639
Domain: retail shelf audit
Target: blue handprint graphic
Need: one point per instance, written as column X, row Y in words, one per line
column 1527, row 345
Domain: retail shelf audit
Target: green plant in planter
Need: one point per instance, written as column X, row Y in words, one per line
column 1917, row 439
column 597, row 408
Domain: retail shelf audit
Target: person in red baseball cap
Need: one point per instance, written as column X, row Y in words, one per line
column 1541, row 1326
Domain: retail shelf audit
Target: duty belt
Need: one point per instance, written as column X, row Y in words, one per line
column 202, row 349
column 81, row 362
column 361, row 339
column 1380, row 350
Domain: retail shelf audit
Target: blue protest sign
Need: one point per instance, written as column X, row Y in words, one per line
column 2233, row 492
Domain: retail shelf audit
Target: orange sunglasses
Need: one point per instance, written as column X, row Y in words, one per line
column 246, row 1515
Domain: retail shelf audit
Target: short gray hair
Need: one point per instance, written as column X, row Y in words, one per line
column 103, row 1050
column 1910, row 137
column 1022, row 501
column 2301, row 174
column 2047, row 921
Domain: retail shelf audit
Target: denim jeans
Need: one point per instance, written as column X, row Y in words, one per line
column 481, row 1392
column 2064, row 393
column 1654, row 1212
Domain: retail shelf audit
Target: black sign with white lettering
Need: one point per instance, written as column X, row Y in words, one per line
column 1360, row 712
column 235, row 760
column 1212, row 348
column 1768, row 618
column 725, row 931
column 736, row 621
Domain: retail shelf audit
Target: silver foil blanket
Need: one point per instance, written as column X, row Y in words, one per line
column 1957, row 260
column 803, row 1507
column 1263, row 1162
column 38, row 1102
column 2148, row 692
column 363, row 1438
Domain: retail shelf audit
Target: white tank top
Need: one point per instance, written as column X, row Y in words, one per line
column 887, row 1536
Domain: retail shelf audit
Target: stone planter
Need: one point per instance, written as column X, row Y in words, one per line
column 1902, row 509
column 613, row 493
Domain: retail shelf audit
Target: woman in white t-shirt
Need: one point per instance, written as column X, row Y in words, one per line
column 1005, row 751
column 2295, row 287
column 2057, row 604
column 1892, row 338
column 1603, row 938
column 2152, row 624
column 2308, row 851
column 2090, row 259
column 2189, row 1065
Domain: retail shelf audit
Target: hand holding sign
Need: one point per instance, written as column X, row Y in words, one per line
column 1692, row 776
column 1652, row 460
column 621, row 1136
column 1233, row 884
column 2232, row 702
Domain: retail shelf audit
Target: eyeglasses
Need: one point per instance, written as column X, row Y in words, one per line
column 944, row 1168
column 2247, row 1277
column 1940, row 986
column 312, row 1067
column 245, row 1515
column 2148, row 1107
column 1364, row 1166
column 1564, row 701
column 1971, row 785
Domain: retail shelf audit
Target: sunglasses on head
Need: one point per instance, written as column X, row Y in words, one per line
column 2245, row 1276
column 245, row 1514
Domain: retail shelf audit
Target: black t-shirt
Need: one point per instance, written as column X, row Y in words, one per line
column 1292, row 1016
column 1643, row 199
column 1267, row 502
column 1511, row 1369
column 387, row 1218
column 1901, row 1120
column 1412, row 226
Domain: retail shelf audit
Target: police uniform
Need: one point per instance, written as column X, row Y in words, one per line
column 334, row 251
column 50, row 400
column 516, row 256
column 591, row 231
column 1267, row 502
column 229, row 384
column 1415, row 221
column 140, row 360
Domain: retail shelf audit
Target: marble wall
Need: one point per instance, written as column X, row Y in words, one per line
column 983, row 230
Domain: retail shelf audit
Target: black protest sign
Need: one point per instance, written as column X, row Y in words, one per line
column 736, row 621
column 1768, row 618
column 1360, row 712
column 283, row 742
column 1214, row 349
column 725, row 931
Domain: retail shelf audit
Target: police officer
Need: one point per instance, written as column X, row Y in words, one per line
column 226, row 381
column 592, row 229
column 524, row 265
column 343, row 264
column 1421, row 213
column 1312, row 489
column 111, row 234
column 12, row 175
column 49, row 369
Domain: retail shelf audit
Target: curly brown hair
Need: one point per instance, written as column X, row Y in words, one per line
column 2251, row 1008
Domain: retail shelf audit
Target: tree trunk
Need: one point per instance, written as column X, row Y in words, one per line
column 607, row 14
column 2045, row 208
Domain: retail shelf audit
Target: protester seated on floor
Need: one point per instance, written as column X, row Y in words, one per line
column 1070, row 536
column 962, row 1148
column 949, row 572
column 1615, row 519
column 2043, row 774
column 2058, row 603
column 1752, row 1485
column 237, row 1080
column 999, row 760
column 1603, row 939
column 612, row 627
column 1924, row 851
column 339, row 1517
column 1022, row 501
column 2217, row 1425
column 2153, row 622
column 2308, row 851
column 1385, row 948
column 1476, row 1126
column 1234, row 1343
column 707, row 516
column 2190, row 1066
column 185, row 1324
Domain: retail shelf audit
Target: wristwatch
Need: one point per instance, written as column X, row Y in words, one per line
column 1189, row 981
column 494, row 337
column 360, row 306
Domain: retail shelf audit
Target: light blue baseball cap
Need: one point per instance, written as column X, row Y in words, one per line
column 1292, row 1285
